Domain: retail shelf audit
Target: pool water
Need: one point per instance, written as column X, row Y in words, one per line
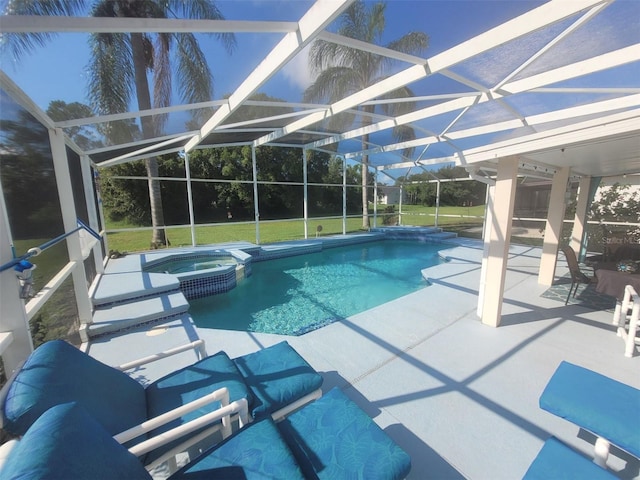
column 294, row 295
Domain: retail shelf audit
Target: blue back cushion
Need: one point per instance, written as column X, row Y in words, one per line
column 56, row 373
column 255, row 452
column 277, row 376
column 333, row 438
column 596, row 403
column 66, row 443
column 190, row 383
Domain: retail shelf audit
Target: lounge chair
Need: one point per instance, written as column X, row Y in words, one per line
column 329, row 438
column 557, row 461
column 273, row 381
column 598, row 404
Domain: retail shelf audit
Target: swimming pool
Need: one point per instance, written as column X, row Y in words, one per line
column 294, row 295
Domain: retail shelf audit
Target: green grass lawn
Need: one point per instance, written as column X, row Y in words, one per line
column 272, row 231
column 277, row 231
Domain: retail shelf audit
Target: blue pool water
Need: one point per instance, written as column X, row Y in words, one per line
column 294, row 295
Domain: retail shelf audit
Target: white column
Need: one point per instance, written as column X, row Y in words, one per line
column 192, row 219
column 256, row 212
column 70, row 222
column 105, row 237
column 499, row 237
column 580, row 219
column 15, row 338
column 553, row 228
column 305, row 201
column 90, row 195
column 437, row 202
column 486, row 234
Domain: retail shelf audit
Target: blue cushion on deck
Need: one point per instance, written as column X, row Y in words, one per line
column 558, row 462
column 277, row 376
column 65, row 443
column 57, row 372
column 596, row 403
column 333, row 438
column 255, row 452
column 191, row 383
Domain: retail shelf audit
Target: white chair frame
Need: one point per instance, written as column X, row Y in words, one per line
column 627, row 323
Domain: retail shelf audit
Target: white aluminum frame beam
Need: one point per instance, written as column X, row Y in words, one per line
column 321, row 14
column 533, row 20
column 610, row 125
column 43, row 23
column 601, row 62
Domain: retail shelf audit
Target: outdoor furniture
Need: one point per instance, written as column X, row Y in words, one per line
column 625, row 318
column 577, row 277
column 329, row 438
column 274, row 381
column 603, row 406
column 556, row 460
column 612, row 282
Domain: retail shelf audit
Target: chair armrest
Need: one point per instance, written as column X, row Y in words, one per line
column 198, row 346
column 221, row 395
column 239, row 406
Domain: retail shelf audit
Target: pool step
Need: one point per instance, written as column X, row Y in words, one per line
column 415, row 233
column 125, row 315
column 111, row 289
column 442, row 235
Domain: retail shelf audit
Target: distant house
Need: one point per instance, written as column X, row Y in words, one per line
column 389, row 195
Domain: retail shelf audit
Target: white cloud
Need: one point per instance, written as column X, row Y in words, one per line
column 297, row 70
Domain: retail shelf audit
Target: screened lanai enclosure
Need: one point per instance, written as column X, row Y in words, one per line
column 312, row 115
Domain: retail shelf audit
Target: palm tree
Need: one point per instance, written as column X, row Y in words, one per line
column 121, row 62
column 342, row 71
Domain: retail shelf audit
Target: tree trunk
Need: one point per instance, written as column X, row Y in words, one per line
column 148, row 131
column 366, row 120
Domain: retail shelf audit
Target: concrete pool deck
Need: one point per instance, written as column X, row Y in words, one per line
column 460, row 397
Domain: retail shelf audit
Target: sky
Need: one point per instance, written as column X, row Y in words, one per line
column 64, row 60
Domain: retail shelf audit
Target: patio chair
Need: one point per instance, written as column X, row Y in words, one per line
column 274, row 381
column 598, row 404
column 329, row 438
column 577, row 277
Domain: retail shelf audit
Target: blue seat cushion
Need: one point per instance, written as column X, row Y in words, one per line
column 255, row 452
column 558, row 462
column 57, row 372
column 596, row 403
column 333, row 438
column 277, row 376
column 65, row 442
column 190, row 383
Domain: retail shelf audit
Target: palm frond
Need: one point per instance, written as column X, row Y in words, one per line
column 376, row 22
column 195, row 82
column 19, row 44
column 353, row 21
column 413, row 43
column 332, row 84
column 202, row 10
column 111, row 77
